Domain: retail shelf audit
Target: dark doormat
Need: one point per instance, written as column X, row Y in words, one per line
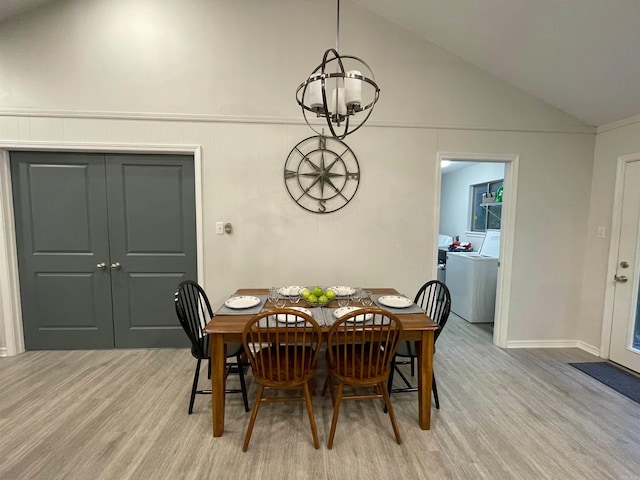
column 612, row 376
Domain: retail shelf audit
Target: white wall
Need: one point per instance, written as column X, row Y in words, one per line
column 552, row 204
column 222, row 74
column 455, row 198
column 241, row 57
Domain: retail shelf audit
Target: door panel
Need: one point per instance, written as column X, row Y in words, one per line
column 61, row 229
column 152, row 237
column 151, row 201
column 624, row 345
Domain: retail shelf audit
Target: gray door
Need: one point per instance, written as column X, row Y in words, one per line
column 103, row 240
column 60, row 208
column 152, row 235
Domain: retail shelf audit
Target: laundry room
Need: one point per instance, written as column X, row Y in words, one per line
column 469, row 236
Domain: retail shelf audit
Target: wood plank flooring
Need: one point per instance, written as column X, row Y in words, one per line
column 505, row 414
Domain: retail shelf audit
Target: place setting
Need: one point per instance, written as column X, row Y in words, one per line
column 396, row 304
column 242, row 305
column 349, row 300
column 290, row 318
column 342, row 311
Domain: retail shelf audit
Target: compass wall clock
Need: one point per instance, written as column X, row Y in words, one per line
column 322, row 174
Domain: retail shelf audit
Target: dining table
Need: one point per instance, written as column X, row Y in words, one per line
column 227, row 326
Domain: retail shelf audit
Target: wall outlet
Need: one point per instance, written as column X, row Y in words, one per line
column 601, row 232
column 219, row 228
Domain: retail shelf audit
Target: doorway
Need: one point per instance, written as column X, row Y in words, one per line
column 505, row 211
column 624, row 346
column 103, row 239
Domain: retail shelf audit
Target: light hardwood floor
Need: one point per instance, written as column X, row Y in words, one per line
column 505, row 414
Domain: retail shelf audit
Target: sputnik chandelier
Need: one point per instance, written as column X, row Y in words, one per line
column 342, row 89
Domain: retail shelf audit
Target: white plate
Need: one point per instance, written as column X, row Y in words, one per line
column 395, row 301
column 281, row 317
column 290, row 290
column 341, row 312
column 242, row 301
column 343, row 291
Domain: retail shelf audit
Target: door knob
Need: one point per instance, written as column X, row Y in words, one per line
column 115, row 266
column 102, row 266
column 620, row 278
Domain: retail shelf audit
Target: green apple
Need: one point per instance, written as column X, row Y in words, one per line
column 305, row 293
column 322, row 300
column 331, row 294
column 318, row 292
column 312, row 299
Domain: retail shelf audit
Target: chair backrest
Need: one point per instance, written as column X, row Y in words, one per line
column 282, row 346
column 434, row 298
column 361, row 345
column 194, row 312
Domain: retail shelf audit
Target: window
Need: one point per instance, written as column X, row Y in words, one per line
column 485, row 216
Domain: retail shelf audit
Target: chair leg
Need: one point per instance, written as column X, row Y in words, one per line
column 312, row 420
column 326, row 384
column 413, row 366
column 194, row 388
column 252, row 420
column 312, row 386
column 391, row 373
column 336, row 411
column 435, row 391
column 243, row 384
column 392, row 416
column 390, row 380
column 209, row 370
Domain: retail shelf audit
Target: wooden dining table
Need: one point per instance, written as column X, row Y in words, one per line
column 224, row 329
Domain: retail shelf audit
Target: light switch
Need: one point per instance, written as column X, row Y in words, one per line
column 219, row 228
column 601, row 232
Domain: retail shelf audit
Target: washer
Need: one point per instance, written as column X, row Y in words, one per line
column 472, row 280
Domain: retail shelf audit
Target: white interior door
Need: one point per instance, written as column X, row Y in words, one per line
column 625, row 328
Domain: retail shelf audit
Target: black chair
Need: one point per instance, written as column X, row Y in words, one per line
column 194, row 312
column 434, row 298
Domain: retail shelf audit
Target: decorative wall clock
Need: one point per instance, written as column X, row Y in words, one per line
column 321, row 174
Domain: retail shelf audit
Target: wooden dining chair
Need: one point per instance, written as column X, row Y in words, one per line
column 282, row 346
column 194, row 312
column 360, row 347
column 434, row 298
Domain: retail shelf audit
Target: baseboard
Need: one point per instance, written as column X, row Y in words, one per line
column 3, row 352
column 588, row 348
column 554, row 344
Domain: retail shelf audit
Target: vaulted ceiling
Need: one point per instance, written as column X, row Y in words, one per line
column 581, row 56
column 11, row 8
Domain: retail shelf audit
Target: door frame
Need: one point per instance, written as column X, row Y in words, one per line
column 10, row 300
column 614, row 245
column 503, row 288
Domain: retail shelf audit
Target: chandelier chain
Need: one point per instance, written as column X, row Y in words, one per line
column 338, row 29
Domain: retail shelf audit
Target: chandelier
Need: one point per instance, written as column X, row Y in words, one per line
column 342, row 90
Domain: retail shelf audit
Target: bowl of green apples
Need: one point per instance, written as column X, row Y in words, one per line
column 317, row 296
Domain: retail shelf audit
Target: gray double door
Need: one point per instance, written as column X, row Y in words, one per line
column 103, row 241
